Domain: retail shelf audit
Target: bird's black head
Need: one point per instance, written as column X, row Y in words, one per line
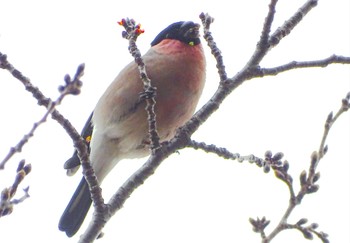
column 187, row 32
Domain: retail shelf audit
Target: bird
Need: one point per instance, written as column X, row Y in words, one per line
column 117, row 129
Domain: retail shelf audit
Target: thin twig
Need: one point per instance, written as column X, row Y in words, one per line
column 261, row 72
column 226, row 154
column 263, row 46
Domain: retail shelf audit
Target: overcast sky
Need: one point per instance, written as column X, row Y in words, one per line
column 193, row 196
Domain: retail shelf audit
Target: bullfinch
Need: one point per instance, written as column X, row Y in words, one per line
column 118, row 127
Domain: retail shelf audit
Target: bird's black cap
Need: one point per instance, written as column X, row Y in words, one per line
column 184, row 31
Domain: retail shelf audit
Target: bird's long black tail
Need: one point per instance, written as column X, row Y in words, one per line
column 74, row 215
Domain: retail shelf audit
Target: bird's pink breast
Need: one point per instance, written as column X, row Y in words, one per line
column 177, row 70
column 179, row 75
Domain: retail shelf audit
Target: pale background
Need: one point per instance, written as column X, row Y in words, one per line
column 193, row 197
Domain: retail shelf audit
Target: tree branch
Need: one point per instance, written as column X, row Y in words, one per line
column 333, row 59
column 72, row 87
column 307, row 182
column 262, row 46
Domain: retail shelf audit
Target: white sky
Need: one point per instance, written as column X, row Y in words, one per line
column 193, row 197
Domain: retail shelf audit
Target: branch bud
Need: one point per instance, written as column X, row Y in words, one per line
column 302, row 177
column 302, row 221
column 316, row 177
column 312, row 188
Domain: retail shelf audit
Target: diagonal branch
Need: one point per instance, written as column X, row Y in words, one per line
column 78, row 141
column 71, row 87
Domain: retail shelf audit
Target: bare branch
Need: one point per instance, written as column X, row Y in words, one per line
column 303, row 64
column 226, row 154
column 249, row 71
column 267, row 42
column 268, row 22
column 222, row 152
column 72, row 87
column 262, row 46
